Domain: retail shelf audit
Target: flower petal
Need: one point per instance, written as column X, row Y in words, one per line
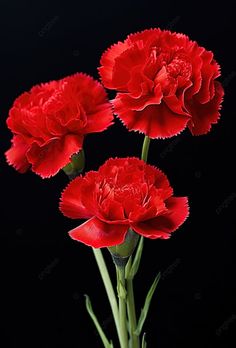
column 156, row 177
column 204, row 115
column 210, row 70
column 124, row 102
column 108, row 61
column 16, row 155
column 98, row 234
column 155, row 121
column 163, row 225
column 100, row 120
column 49, row 158
column 112, row 212
column 71, row 204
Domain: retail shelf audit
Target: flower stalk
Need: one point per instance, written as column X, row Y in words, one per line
column 134, row 339
column 122, row 294
column 145, row 148
column 109, row 289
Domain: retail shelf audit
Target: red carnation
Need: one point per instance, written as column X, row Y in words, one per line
column 166, row 82
column 50, row 121
column 124, row 193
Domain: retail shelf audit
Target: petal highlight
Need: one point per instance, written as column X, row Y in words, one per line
column 98, row 234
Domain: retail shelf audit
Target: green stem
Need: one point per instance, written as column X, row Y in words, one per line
column 132, row 314
column 109, row 289
column 144, row 157
column 145, row 148
column 135, row 343
column 121, row 289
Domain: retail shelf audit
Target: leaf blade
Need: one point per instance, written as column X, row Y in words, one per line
column 144, row 343
column 135, row 265
column 92, row 315
column 147, row 303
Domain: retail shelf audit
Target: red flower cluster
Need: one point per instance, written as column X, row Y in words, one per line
column 165, row 83
column 124, row 193
column 49, row 122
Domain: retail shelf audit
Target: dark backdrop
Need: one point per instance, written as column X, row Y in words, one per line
column 44, row 273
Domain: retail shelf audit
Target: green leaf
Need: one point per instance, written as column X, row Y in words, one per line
column 128, row 267
column 144, row 343
column 102, row 335
column 147, row 303
column 121, row 290
column 137, row 259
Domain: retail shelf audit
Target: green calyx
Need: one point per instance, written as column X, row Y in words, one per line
column 121, row 253
column 76, row 165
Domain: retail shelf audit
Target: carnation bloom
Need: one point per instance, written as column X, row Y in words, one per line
column 165, row 83
column 124, row 193
column 50, row 121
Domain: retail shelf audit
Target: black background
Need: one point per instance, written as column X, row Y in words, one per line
column 44, row 273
